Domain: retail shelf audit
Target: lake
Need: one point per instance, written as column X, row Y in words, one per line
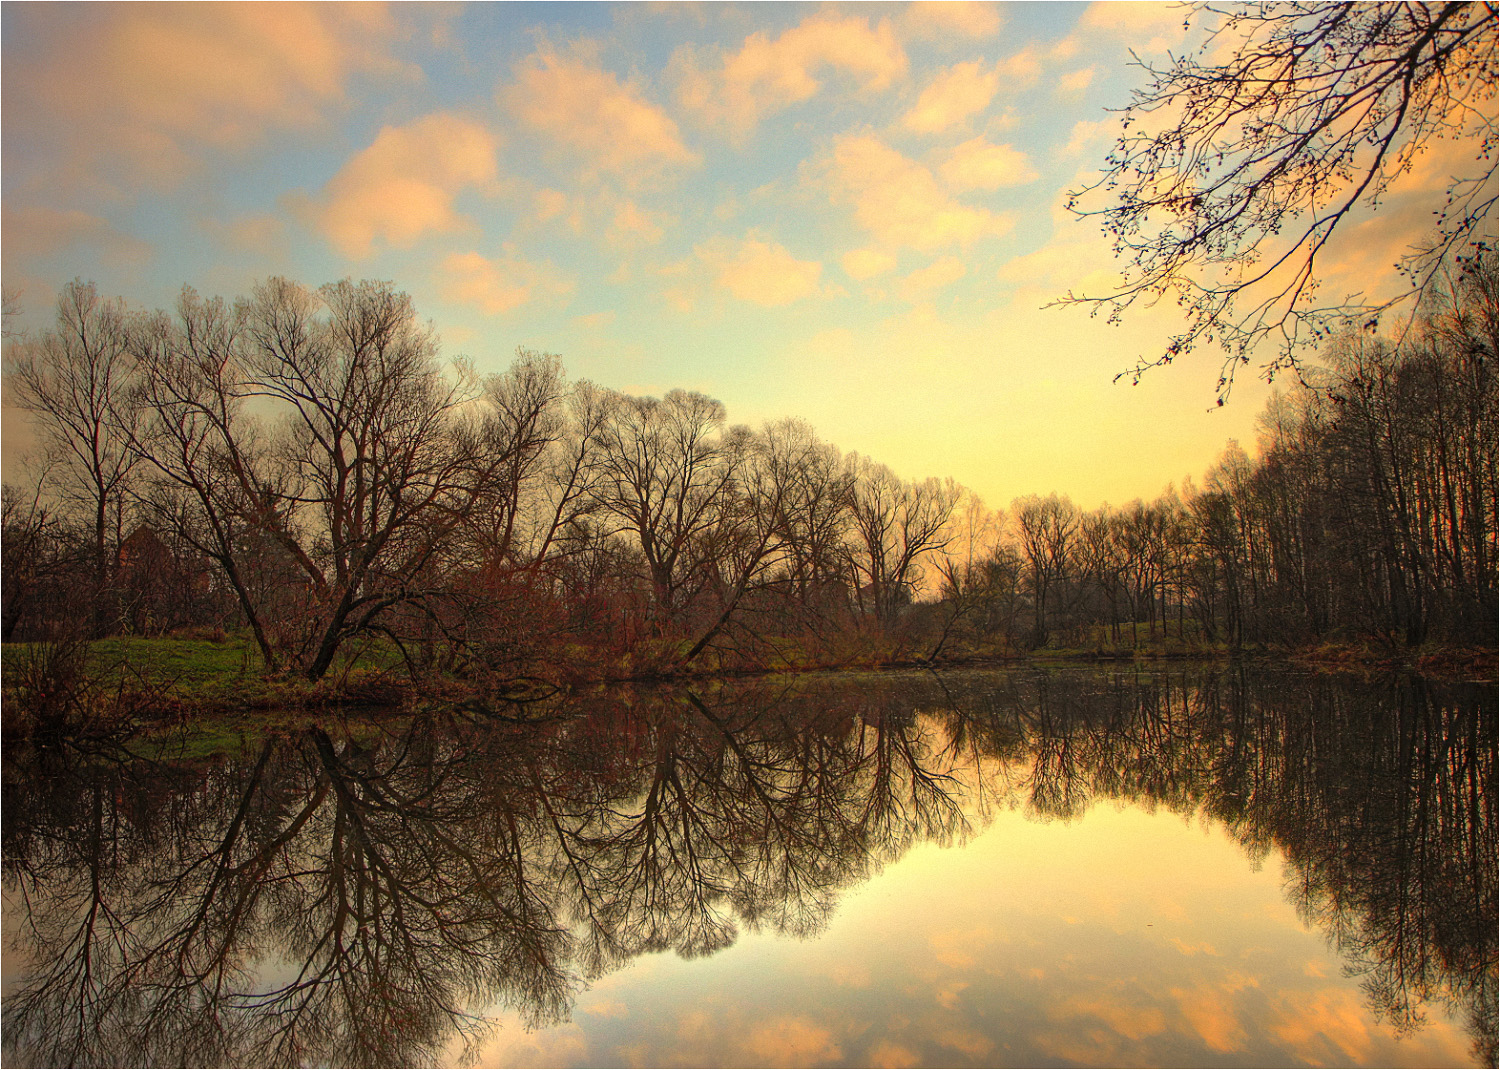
column 1193, row 866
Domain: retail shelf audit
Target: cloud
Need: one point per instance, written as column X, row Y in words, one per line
column 899, row 201
column 262, row 235
column 120, row 94
column 867, row 263
column 759, row 271
column 1093, row 136
column 576, row 103
column 34, row 233
column 956, row 93
column 496, row 286
column 977, row 164
column 617, row 219
column 942, row 20
column 794, row 1042
column 402, row 186
column 767, row 75
column 1149, row 27
column 939, row 274
column 1075, row 82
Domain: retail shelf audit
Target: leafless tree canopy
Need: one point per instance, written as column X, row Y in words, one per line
column 1237, row 165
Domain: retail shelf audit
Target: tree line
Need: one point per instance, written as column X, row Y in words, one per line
column 299, row 464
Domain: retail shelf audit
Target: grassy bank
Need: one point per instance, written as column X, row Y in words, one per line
column 123, row 684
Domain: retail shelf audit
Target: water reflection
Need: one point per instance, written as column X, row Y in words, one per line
column 357, row 900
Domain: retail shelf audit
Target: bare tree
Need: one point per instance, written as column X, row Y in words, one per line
column 896, row 524
column 1048, row 528
column 74, row 380
column 665, row 474
column 1226, row 204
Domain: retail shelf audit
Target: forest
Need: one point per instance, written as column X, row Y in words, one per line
column 299, row 468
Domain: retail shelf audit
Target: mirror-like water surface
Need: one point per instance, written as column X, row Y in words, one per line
column 1186, row 868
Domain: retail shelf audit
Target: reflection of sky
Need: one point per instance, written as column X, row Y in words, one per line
column 1124, row 938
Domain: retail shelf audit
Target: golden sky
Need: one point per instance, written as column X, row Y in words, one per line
column 851, row 214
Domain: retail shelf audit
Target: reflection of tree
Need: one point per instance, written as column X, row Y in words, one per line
column 1381, row 797
column 351, row 903
column 343, row 901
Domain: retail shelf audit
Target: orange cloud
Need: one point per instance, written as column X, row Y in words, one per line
column 867, row 263
column 128, row 92
column 575, row 102
column 767, row 75
column 794, row 1042
column 1075, row 82
column 899, row 201
column 956, row 93
column 33, row 232
column 1151, row 27
column 937, row 275
column 496, row 286
column 977, row 164
column 760, row 272
column 402, row 186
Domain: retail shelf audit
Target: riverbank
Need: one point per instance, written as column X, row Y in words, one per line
column 118, row 682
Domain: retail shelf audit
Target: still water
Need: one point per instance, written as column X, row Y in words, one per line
column 1194, row 867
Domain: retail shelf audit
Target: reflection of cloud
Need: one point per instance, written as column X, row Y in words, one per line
column 143, row 88
column 1131, row 1019
column 1332, row 1020
column 496, row 286
column 956, row 93
column 887, row 1052
column 608, row 1008
column 402, row 186
column 899, row 201
column 1193, row 949
column 967, row 1041
column 1212, row 1016
column 793, row 1042
column 575, row 102
column 760, row 272
column 767, row 75
column 958, row 950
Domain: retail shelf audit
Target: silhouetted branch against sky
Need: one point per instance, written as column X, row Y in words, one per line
column 1239, row 162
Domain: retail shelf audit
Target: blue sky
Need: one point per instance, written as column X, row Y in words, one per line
column 847, row 213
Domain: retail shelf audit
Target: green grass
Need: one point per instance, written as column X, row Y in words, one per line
column 216, row 673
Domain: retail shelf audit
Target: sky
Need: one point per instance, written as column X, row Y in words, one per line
column 851, row 214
